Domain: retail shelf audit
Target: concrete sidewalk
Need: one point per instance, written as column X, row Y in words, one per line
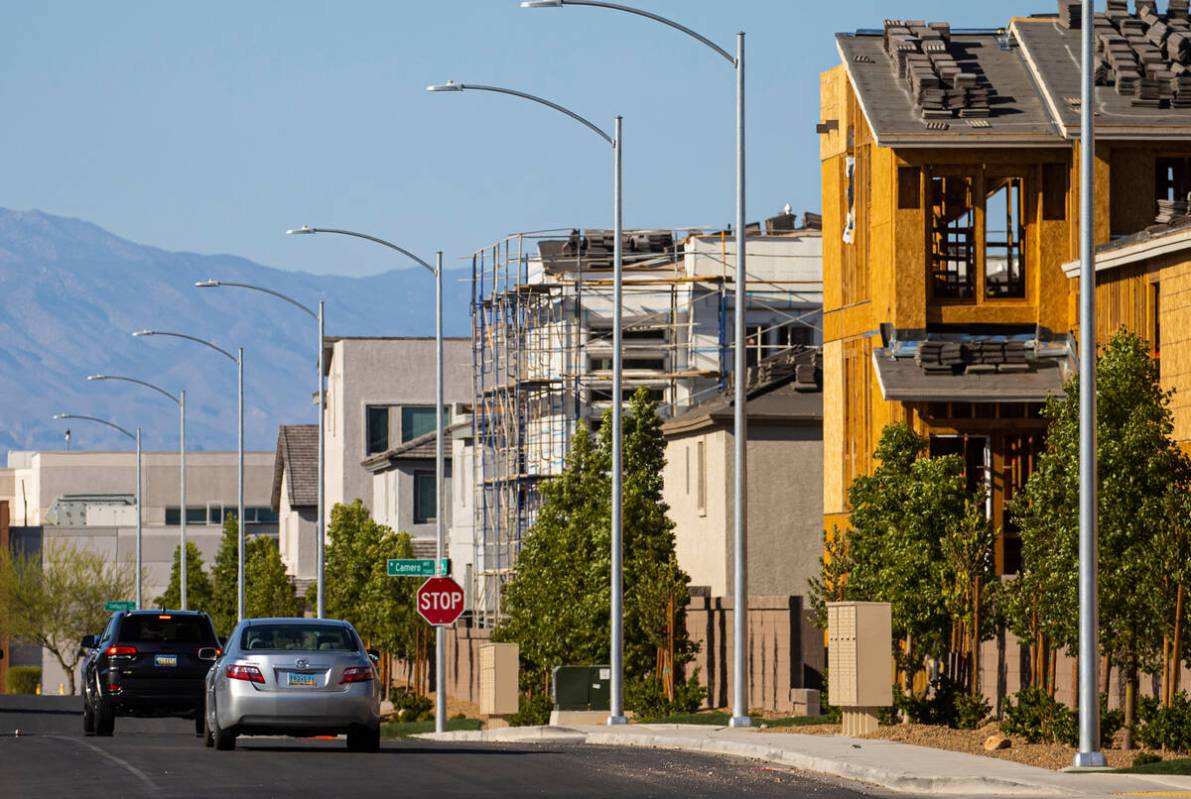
column 894, row 766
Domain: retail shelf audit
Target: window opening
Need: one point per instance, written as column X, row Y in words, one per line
column 1004, row 238
column 420, row 420
column 378, row 429
column 953, row 234
column 425, row 498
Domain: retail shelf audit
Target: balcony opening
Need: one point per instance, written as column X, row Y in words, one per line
column 1004, row 238
column 953, row 237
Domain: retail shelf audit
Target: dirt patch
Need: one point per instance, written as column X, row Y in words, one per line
column 1049, row 756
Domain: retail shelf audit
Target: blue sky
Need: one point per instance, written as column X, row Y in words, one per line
column 214, row 126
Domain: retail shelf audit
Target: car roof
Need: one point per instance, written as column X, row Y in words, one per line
column 296, row 620
column 165, row 612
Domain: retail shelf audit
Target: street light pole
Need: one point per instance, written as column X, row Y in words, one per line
column 238, row 360
column 320, row 528
column 1089, row 755
column 180, row 400
column 440, row 650
column 740, row 422
column 616, row 705
column 137, row 438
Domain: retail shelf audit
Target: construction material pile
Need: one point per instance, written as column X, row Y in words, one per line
column 938, row 85
column 976, row 355
column 1143, row 55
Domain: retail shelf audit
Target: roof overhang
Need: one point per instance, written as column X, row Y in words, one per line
column 902, row 380
column 1133, row 252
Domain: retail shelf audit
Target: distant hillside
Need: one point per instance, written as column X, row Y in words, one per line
column 71, row 293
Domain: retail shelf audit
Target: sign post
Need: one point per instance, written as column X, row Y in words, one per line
column 440, row 601
column 117, row 605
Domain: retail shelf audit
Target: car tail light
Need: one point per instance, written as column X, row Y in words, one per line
column 356, row 674
column 248, row 673
column 116, row 651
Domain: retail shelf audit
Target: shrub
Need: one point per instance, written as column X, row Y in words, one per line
column 648, row 700
column 1165, row 727
column 409, row 705
column 970, row 711
column 944, row 704
column 532, row 711
column 1145, row 758
column 24, row 679
column 1037, row 717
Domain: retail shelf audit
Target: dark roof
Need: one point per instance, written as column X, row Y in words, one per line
column 297, row 455
column 1052, row 54
column 778, row 398
column 419, row 448
column 1017, row 114
column 903, row 376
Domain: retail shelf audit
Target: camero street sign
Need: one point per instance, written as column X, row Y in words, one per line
column 416, row 567
column 114, row 606
column 440, row 601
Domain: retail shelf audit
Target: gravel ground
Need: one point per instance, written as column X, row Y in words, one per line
column 1051, row 756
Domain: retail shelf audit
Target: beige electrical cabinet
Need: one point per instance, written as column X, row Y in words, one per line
column 499, row 672
column 859, row 661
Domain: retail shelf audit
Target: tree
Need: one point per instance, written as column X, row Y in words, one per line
column 54, row 598
column 351, row 552
column 225, row 577
column 268, row 589
column 199, row 594
column 918, row 541
column 1144, row 477
column 557, row 605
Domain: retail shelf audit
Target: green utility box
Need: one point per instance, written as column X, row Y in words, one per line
column 581, row 687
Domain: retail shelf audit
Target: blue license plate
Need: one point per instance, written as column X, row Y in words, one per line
column 306, row 680
column 165, row 660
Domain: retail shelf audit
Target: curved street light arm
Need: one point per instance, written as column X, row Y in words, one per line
column 204, row 284
column 581, row 120
column 656, row 18
column 195, row 339
column 382, row 242
column 158, row 389
column 97, row 421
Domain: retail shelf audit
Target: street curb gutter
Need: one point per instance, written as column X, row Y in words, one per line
column 892, row 780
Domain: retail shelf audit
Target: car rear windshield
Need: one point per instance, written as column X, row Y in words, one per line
column 305, row 637
column 166, row 628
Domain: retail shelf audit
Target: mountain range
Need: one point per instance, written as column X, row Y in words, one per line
column 71, row 294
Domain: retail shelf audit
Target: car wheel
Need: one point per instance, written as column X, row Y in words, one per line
column 221, row 739
column 364, row 739
column 207, row 739
column 105, row 718
column 88, row 717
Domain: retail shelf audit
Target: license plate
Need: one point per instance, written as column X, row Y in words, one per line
column 308, row 680
column 165, row 660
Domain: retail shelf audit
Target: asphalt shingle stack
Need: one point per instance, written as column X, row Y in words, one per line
column 939, row 86
column 1143, row 54
column 939, row 357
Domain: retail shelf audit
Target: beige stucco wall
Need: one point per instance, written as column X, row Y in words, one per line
column 296, row 531
column 700, row 538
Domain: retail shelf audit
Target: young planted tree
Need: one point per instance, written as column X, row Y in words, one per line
column 224, row 577
column 557, row 605
column 350, row 555
column 268, row 589
column 199, row 594
column 388, row 612
column 54, row 598
column 1143, row 475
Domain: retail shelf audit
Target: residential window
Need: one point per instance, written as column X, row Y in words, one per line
column 194, row 515
column 1004, row 238
column 651, row 364
column 952, row 236
column 686, row 457
column 701, row 477
column 425, row 498
column 377, row 432
column 419, row 420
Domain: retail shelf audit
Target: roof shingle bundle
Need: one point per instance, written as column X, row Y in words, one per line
column 938, row 85
column 940, row 356
column 1143, row 54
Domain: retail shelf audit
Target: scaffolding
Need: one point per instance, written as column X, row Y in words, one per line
column 541, row 312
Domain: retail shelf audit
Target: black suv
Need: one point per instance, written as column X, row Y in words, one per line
column 147, row 663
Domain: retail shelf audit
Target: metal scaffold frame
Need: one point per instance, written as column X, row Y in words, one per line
column 541, row 353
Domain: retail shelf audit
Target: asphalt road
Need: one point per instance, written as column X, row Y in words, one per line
column 43, row 753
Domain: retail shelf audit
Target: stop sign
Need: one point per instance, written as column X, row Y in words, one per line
column 440, row 601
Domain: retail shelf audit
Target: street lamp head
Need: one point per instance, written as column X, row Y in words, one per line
column 449, row 86
column 300, row 231
column 97, row 377
column 61, row 415
column 541, row 4
column 144, row 332
column 207, row 284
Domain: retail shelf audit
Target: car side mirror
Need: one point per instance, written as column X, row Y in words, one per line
column 374, row 655
column 88, row 642
column 208, row 653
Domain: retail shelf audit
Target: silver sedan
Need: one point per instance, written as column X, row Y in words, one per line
column 301, row 677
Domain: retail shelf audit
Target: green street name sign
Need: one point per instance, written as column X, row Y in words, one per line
column 116, row 606
column 416, row 567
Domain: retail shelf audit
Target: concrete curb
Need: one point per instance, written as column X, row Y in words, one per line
column 655, row 738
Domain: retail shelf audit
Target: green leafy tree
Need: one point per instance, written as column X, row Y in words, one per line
column 225, row 576
column 1143, row 475
column 199, row 594
column 557, row 605
column 54, row 598
column 268, row 589
column 353, row 538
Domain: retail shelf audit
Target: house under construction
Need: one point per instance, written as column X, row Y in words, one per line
column 542, row 347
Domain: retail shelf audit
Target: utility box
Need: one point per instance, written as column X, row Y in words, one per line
column 499, row 672
column 581, row 687
column 860, row 661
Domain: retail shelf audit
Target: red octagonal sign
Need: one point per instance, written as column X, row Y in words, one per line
column 440, row 601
